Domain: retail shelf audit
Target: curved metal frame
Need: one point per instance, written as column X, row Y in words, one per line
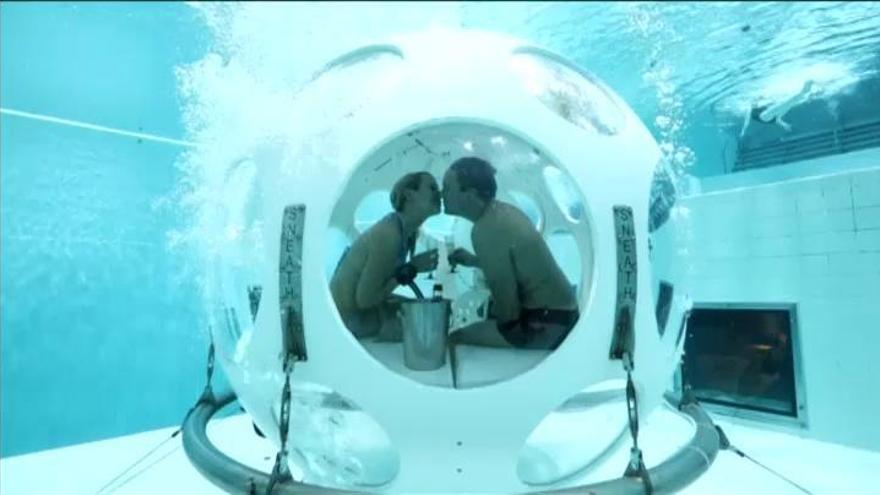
column 673, row 474
column 224, row 471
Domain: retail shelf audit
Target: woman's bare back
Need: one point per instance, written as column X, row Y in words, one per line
column 344, row 283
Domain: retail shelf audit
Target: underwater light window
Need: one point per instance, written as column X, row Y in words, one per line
column 745, row 357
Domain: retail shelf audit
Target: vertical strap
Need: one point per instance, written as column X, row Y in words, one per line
column 290, row 282
column 623, row 340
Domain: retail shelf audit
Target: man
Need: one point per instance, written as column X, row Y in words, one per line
column 375, row 264
column 533, row 301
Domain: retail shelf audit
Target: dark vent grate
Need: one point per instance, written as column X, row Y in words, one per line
column 853, row 138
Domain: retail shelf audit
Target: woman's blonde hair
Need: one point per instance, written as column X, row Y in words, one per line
column 409, row 181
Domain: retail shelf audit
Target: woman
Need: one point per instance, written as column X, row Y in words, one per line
column 376, row 263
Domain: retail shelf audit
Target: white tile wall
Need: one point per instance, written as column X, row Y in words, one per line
column 849, row 264
column 776, row 226
column 775, row 246
column 868, row 240
column 837, row 192
column 866, row 189
column 867, row 217
column 809, row 197
column 828, row 242
column 814, row 241
column 826, row 221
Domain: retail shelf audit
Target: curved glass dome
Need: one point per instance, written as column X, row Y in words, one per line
column 241, row 275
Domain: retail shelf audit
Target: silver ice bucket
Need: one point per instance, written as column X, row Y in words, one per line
column 425, row 325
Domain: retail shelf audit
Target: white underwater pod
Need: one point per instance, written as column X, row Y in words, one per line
column 566, row 148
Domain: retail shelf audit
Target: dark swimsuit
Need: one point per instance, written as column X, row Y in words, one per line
column 756, row 114
column 406, row 248
column 539, row 328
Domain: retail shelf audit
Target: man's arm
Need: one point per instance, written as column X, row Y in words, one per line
column 377, row 280
column 495, row 261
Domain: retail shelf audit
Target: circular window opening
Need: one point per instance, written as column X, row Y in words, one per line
column 369, row 53
column 575, row 435
column 378, row 70
column 569, row 92
column 338, row 444
column 418, row 295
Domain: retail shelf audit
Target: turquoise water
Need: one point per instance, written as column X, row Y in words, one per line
column 102, row 324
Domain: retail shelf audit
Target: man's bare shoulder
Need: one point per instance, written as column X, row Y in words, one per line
column 511, row 223
column 484, row 228
column 498, row 226
column 515, row 217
